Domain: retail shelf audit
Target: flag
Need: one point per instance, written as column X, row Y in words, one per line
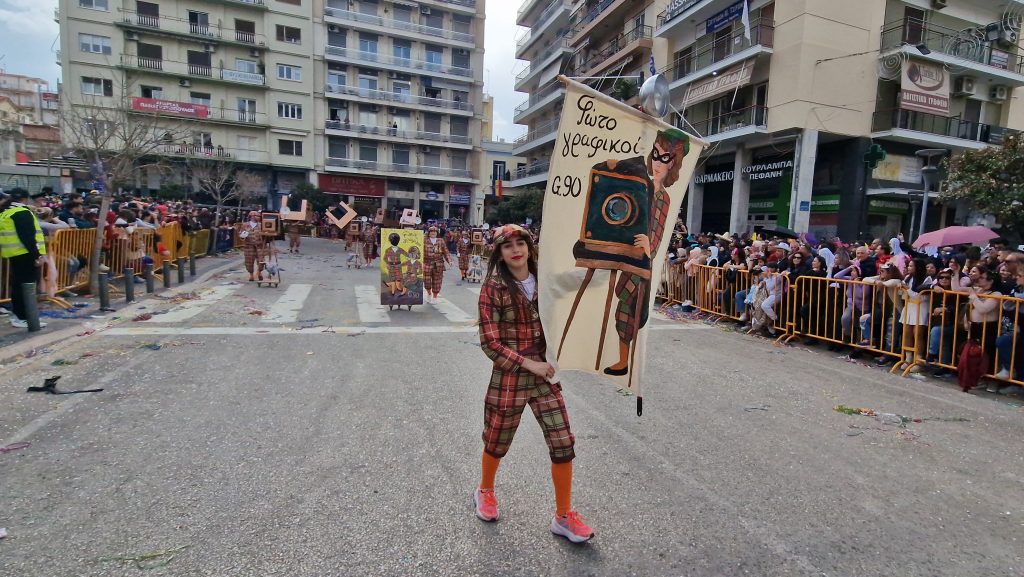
column 497, row 189
column 654, row 70
column 746, row 19
column 621, row 174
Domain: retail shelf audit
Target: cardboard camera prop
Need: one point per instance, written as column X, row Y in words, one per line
column 294, row 209
column 478, row 236
column 270, row 224
column 341, row 215
column 409, row 218
column 379, row 217
column 617, row 209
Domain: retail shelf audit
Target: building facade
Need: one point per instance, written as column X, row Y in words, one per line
column 791, row 106
column 376, row 101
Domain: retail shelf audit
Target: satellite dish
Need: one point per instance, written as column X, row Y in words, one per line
column 654, row 96
column 418, row 220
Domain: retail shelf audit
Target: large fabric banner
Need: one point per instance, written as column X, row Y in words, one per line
column 616, row 181
column 401, row 267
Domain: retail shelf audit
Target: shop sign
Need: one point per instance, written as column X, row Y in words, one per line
column 898, row 168
column 999, row 59
column 762, row 205
column 169, row 107
column 887, row 207
column 762, row 171
column 828, row 203
column 430, row 195
column 354, row 185
column 725, row 17
column 460, row 194
column 738, row 75
column 925, row 88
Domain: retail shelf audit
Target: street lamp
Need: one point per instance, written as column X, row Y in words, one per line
column 929, row 175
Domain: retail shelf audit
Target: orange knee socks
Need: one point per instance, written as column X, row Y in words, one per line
column 490, row 469
column 561, row 474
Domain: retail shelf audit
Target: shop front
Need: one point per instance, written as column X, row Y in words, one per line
column 717, row 182
column 365, row 195
column 459, row 201
column 886, row 217
column 432, row 201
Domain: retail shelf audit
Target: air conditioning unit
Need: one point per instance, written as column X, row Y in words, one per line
column 209, row 47
column 1008, row 38
column 185, row 82
column 426, row 149
column 964, row 86
column 333, row 28
column 462, row 52
column 374, row 108
column 1000, row 93
column 392, row 110
column 939, row 4
column 425, row 10
column 131, row 35
column 392, row 74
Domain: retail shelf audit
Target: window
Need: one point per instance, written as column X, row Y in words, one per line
column 288, row 110
column 246, row 110
column 202, row 139
column 94, row 4
column 459, row 126
column 289, row 34
column 94, row 44
column 461, row 23
column 243, row 65
column 403, row 13
column 400, row 154
column 368, row 115
column 245, row 31
column 289, row 72
column 459, row 161
column 432, row 123
column 498, row 170
column 336, row 78
column 368, row 151
column 368, row 7
column 151, row 91
column 368, row 43
column 97, row 86
column 247, row 146
column 337, row 147
column 289, row 147
column 402, row 90
column 200, row 98
column 96, row 129
column 435, row 54
column 402, row 49
column 198, row 23
column 367, row 83
column 432, row 159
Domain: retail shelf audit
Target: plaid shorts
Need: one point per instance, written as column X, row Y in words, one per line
column 507, row 397
column 630, row 289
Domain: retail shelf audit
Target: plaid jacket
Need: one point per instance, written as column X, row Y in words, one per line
column 509, row 332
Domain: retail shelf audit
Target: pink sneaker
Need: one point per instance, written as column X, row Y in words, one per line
column 486, row 504
column 572, row 527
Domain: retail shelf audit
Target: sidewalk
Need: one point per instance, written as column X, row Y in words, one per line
column 63, row 324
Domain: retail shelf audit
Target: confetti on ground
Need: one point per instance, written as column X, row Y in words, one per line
column 150, row 346
column 63, row 362
column 142, row 317
column 892, row 418
column 152, row 560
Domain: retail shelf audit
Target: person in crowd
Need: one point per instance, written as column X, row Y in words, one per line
column 734, row 275
column 769, row 292
column 915, row 314
column 1010, row 344
column 984, row 317
column 23, row 244
column 879, row 326
column 946, row 307
column 49, row 222
column 813, row 297
column 252, row 238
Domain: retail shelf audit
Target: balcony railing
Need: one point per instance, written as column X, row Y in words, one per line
column 672, row 12
column 466, row 3
column 185, row 27
column 756, row 116
column 216, row 113
column 378, row 58
column 531, row 169
column 394, row 132
column 213, row 152
column 547, row 13
column 191, row 69
column 556, row 46
column 611, row 48
column 401, row 98
column 885, row 120
column 553, row 87
column 398, row 25
column 579, row 19
column 762, row 33
column 404, row 168
column 950, row 42
column 538, row 132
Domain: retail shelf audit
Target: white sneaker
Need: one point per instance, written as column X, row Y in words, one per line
column 20, row 324
column 1003, row 374
column 104, row 268
column 993, row 387
column 743, row 318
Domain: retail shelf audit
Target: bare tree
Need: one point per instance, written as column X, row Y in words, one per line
column 120, row 146
column 225, row 181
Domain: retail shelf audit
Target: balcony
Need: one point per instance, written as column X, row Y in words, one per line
column 391, row 133
column 214, row 115
column 525, row 10
column 675, row 10
column 200, row 71
column 214, row 153
column 929, row 130
column 614, row 50
column 530, row 174
column 405, row 64
column 953, row 49
column 400, row 99
column 583, row 23
column 410, row 169
column 550, row 93
column 539, row 136
column 464, row 5
column 389, row 26
column 194, row 30
column 721, row 54
column 257, row 4
column 547, row 17
column 735, row 124
column 540, row 62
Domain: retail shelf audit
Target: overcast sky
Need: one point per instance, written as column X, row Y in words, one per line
column 28, row 41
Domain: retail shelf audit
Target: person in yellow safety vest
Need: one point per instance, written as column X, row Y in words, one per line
column 23, row 245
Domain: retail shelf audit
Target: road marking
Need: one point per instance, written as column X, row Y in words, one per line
column 323, row 331
column 287, row 308
column 451, row 312
column 370, row 309
column 474, row 289
column 189, row 309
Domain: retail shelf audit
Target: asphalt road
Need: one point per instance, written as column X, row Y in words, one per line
column 326, row 438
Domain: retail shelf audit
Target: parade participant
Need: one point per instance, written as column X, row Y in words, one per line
column 252, row 243
column 393, row 259
column 369, row 241
column 294, row 238
column 512, row 337
column 434, row 258
column 465, row 247
column 22, row 243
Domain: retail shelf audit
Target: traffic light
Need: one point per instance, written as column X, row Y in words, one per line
column 874, row 155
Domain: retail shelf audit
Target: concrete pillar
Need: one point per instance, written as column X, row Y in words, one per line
column 740, row 192
column 695, row 203
column 806, row 154
column 416, row 197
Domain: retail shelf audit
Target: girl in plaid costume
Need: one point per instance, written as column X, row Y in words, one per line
column 634, row 291
column 434, row 258
column 465, row 247
column 252, row 243
column 369, row 238
column 512, row 337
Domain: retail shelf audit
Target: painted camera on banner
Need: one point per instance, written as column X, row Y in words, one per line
column 617, row 209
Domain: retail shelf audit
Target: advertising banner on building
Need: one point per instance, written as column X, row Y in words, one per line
column 617, row 179
column 899, row 168
column 724, row 18
column 169, row 107
column 460, row 194
column 925, row 88
column 731, row 79
column 354, row 185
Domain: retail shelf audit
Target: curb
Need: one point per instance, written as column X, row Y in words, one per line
column 11, row 352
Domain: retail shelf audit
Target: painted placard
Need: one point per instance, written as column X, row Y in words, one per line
column 617, row 179
column 401, row 267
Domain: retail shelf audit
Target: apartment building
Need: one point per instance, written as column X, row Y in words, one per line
column 32, row 98
column 402, row 85
column 792, row 104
